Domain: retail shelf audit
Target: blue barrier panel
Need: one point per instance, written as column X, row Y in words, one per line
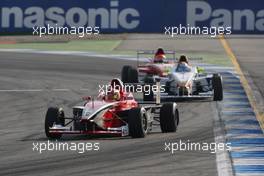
column 244, row 17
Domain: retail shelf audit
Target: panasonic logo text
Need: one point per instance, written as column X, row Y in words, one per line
column 109, row 18
column 238, row 19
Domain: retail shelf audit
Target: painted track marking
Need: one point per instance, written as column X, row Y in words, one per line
column 243, row 126
column 259, row 114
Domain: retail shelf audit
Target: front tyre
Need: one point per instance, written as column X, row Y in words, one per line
column 167, row 88
column 217, row 87
column 148, row 94
column 137, row 122
column 54, row 116
column 169, row 117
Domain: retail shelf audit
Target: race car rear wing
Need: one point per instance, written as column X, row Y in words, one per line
column 141, row 52
column 193, row 58
column 167, row 52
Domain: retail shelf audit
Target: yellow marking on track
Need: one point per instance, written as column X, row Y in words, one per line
column 243, row 80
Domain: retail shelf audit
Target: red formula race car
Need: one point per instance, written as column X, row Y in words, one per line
column 160, row 65
column 148, row 70
column 116, row 113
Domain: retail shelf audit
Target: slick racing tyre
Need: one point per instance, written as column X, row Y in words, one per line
column 132, row 75
column 129, row 74
column 167, row 88
column 137, row 123
column 124, row 73
column 54, row 115
column 217, row 87
column 169, row 118
column 148, row 94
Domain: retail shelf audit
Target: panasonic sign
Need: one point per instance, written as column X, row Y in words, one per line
column 239, row 19
column 109, row 18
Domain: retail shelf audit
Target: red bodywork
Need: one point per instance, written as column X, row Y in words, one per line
column 159, row 69
column 111, row 117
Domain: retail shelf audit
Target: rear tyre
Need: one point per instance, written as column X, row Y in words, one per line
column 132, row 75
column 169, row 118
column 218, row 87
column 129, row 74
column 54, row 115
column 148, row 94
column 124, row 73
column 137, row 123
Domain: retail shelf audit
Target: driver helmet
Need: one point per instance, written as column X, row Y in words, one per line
column 116, row 90
column 116, row 84
column 159, row 56
column 183, row 59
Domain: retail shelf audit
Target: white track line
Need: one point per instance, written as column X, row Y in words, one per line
column 36, row 90
column 43, row 90
column 223, row 161
column 21, row 90
column 60, row 90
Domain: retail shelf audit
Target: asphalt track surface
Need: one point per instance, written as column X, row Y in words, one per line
column 250, row 54
column 61, row 78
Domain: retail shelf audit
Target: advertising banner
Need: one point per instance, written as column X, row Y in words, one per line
column 116, row 16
